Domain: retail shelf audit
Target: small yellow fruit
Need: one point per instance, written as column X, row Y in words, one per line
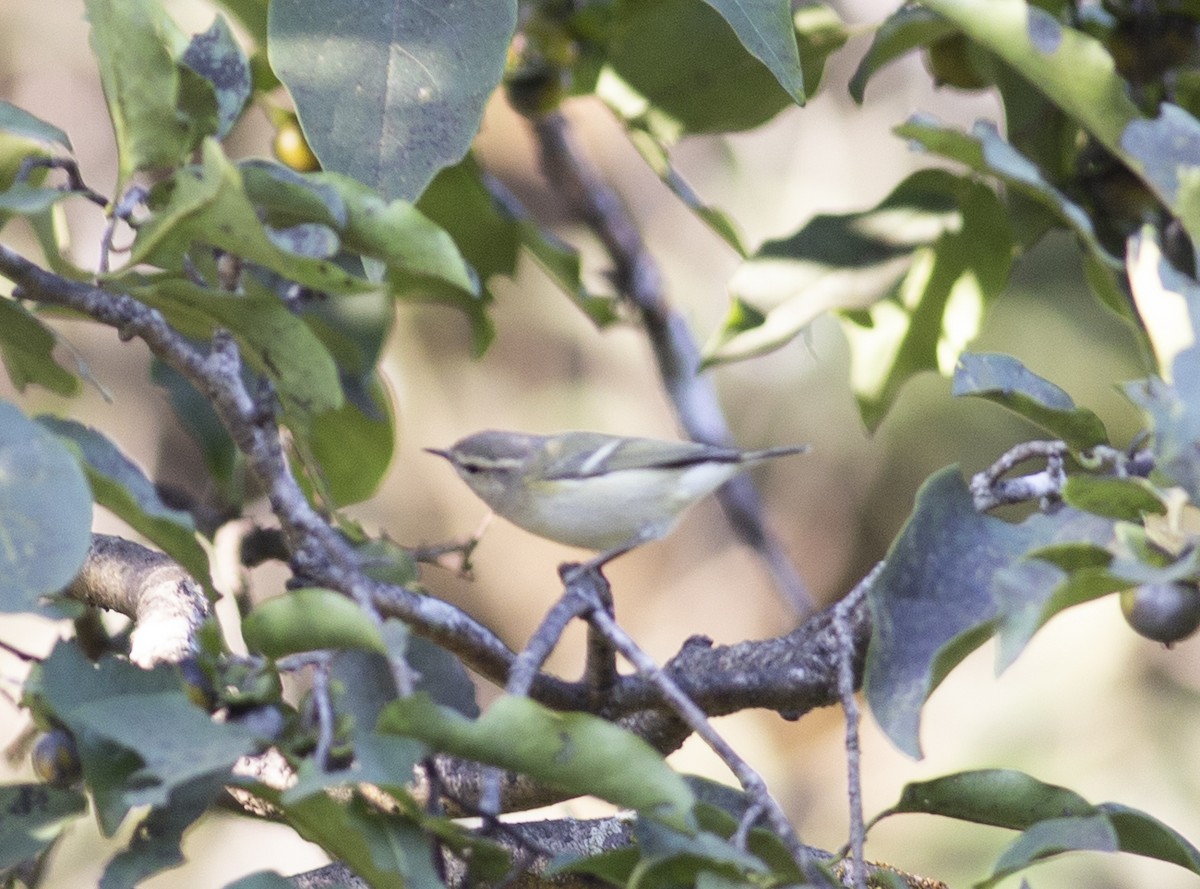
column 292, row 148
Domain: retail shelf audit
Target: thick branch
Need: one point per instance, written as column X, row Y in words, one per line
column 164, row 602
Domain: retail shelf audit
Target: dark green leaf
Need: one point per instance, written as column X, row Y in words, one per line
column 1077, row 73
column 459, row 201
column 1145, row 835
column 19, row 122
column 683, row 58
column 31, row 818
column 140, row 737
column 216, row 56
column 902, row 32
column 274, row 341
column 574, row 752
column 1052, row 837
column 384, row 850
column 266, row 879
column 143, row 85
column 27, row 350
column 765, row 29
column 309, row 620
column 1054, row 819
column 997, row 797
column 353, row 445
column 120, row 486
column 933, row 602
column 45, row 512
column 1006, row 381
column 390, row 93
column 155, row 845
column 1127, row 499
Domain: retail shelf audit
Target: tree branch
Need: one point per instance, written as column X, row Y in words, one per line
column 164, row 602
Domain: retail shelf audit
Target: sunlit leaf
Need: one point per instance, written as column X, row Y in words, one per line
column 309, row 620
column 575, row 752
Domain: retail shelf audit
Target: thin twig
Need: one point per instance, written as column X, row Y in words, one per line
column 751, row 781
column 842, row 616
column 638, row 277
column 989, row 489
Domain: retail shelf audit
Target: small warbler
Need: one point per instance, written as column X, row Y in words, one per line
column 599, row 492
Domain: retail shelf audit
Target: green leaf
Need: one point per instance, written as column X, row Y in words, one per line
column 686, row 61
column 996, row 797
column 933, row 602
column 985, row 151
column 1145, row 835
column 45, row 513
column 490, row 235
column 31, row 818
column 575, row 752
column 216, row 56
column 1006, row 381
column 1126, row 499
column 121, row 487
column 423, row 262
column 140, row 738
column 1053, row 837
column 765, row 29
column 274, row 341
column 384, row 850
column 1054, row 819
column 1076, row 73
column 20, row 122
column 459, row 201
column 133, row 42
column 285, row 197
column 846, row 261
column 263, row 879
column 156, row 844
column 209, row 205
column 27, row 350
column 390, row 93
column 936, row 310
column 903, row 31
column 352, row 445
column 309, row 620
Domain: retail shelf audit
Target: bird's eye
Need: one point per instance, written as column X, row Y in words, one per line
column 470, row 468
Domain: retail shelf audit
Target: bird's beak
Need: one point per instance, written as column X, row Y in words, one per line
column 435, row 451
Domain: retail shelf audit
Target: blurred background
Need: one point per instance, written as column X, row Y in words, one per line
column 1089, row 705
